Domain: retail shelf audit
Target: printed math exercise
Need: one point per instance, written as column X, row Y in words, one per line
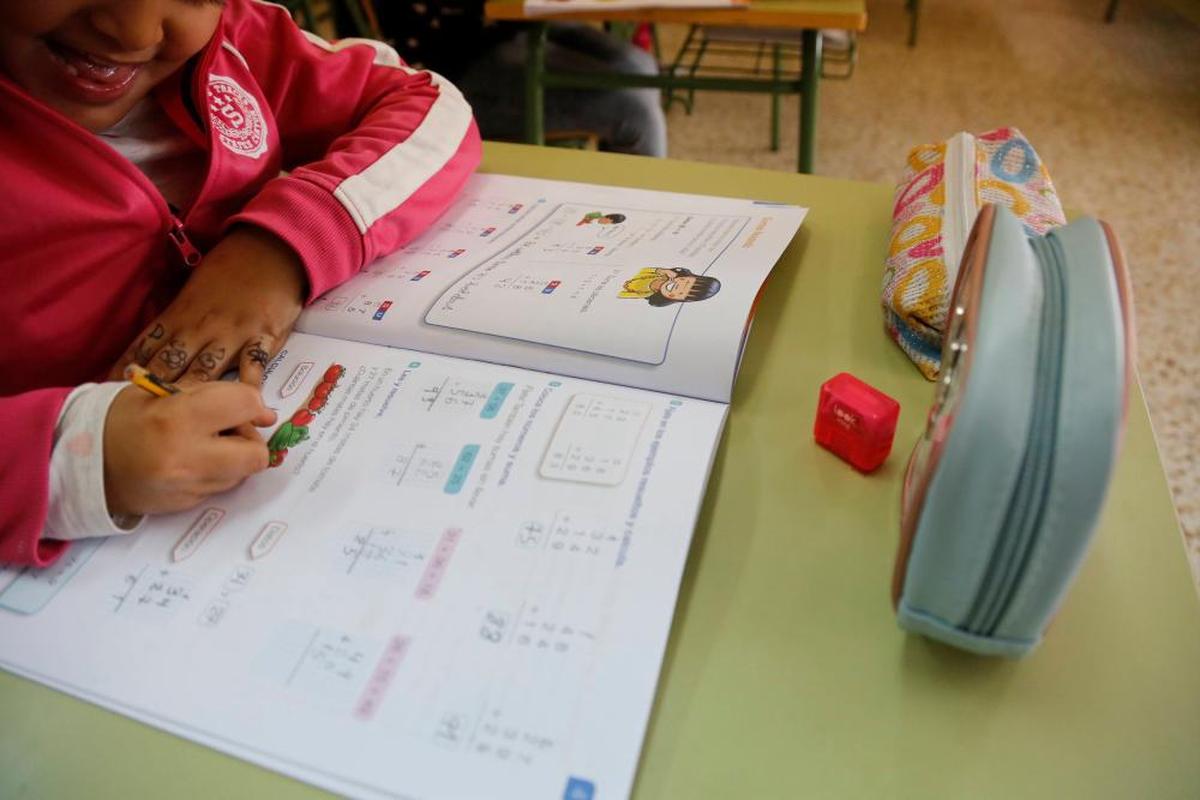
column 457, row 578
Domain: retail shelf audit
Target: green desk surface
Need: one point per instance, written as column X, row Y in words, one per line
column 785, row 675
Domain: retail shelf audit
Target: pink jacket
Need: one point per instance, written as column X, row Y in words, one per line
column 90, row 251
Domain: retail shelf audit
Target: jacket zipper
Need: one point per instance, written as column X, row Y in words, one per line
column 176, row 232
column 190, row 254
column 961, row 208
column 1009, row 562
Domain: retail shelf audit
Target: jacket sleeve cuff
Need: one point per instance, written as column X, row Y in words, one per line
column 78, row 506
column 30, row 419
column 310, row 220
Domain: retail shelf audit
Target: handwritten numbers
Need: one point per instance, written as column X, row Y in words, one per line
column 493, row 627
column 451, row 730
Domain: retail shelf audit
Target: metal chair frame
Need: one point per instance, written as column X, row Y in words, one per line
column 782, row 48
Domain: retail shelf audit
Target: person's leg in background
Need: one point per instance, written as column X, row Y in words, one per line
column 634, row 117
column 625, row 120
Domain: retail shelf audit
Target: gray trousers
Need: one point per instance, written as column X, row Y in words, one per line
column 625, row 120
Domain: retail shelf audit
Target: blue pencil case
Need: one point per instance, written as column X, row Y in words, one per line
column 1004, row 489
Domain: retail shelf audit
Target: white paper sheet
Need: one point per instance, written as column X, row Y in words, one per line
column 458, row 583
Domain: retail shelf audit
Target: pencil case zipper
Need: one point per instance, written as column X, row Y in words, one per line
column 1018, row 538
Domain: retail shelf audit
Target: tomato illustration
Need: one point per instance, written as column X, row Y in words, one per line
column 295, row 430
column 288, row 435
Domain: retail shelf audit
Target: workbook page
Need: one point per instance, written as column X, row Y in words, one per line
column 627, row 286
column 457, row 581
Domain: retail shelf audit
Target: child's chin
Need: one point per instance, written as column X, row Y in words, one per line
column 96, row 118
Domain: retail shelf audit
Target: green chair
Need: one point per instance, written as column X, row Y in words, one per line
column 753, row 52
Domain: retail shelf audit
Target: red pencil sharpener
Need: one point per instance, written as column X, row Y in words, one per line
column 856, row 421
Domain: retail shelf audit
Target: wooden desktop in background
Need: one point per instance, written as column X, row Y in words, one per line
column 805, row 17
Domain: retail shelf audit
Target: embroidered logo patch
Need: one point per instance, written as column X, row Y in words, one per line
column 236, row 117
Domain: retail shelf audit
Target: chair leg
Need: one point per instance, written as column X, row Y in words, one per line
column 361, row 27
column 691, row 93
column 371, row 20
column 669, row 94
column 775, row 97
column 810, row 80
column 310, row 16
column 1111, row 13
column 914, row 10
column 535, row 69
column 304, row 15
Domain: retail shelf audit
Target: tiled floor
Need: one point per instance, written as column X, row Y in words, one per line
column 1114, row 111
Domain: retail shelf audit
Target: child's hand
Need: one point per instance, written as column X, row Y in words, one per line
column 168, row 454
column 236, row 309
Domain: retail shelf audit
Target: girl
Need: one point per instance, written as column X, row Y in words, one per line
column 664, row 287
column 144, row 218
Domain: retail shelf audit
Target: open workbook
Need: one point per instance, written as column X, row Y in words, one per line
column 459, row 577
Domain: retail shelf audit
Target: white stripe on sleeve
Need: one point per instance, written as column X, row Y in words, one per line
column 396, row 175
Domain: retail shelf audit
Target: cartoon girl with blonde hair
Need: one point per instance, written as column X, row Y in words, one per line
column 664, row 287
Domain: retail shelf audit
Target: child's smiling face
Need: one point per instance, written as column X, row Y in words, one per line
column 93, row 60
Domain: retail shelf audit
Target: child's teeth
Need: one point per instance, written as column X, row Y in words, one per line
column 101, row 68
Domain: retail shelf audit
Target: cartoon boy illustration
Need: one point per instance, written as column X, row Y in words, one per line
column 600, row 219
column 662, row 287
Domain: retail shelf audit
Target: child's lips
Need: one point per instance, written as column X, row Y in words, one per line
column 92, row 78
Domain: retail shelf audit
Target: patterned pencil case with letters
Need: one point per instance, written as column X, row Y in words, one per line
column 1005, row 487
column 944, row 186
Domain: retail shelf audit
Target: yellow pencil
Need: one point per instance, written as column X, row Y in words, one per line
column 140, row 376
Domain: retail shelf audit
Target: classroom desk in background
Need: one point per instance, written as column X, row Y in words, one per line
column 807, row 16
column 786, row 675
